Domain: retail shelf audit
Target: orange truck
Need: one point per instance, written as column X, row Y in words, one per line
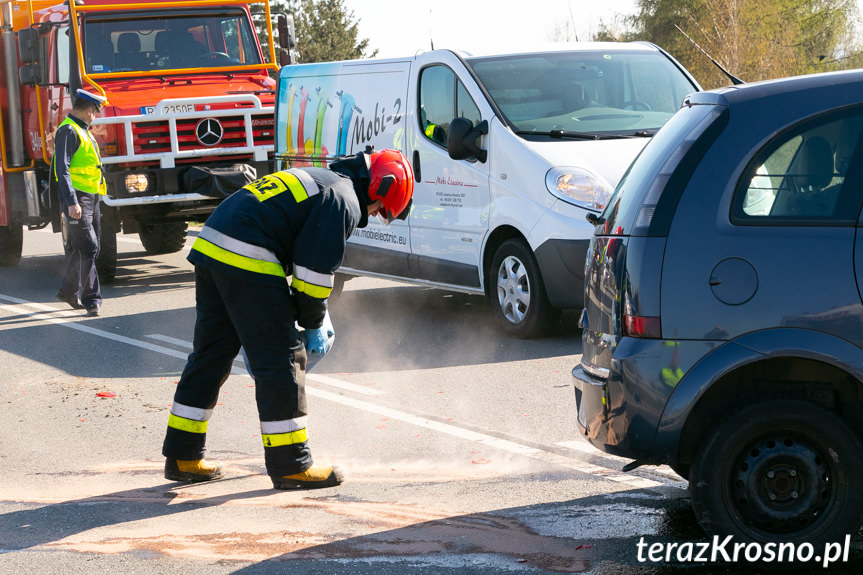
column 189, row 118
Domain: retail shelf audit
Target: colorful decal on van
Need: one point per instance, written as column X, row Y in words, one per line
column 369, row 113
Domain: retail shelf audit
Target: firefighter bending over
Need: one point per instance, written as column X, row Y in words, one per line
column 294, row 222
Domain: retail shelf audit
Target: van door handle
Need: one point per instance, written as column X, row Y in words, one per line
column 417, row 176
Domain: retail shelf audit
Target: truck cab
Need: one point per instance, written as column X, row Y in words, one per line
column 189, row 117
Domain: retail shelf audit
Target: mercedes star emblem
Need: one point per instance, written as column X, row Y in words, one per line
column 209, row 131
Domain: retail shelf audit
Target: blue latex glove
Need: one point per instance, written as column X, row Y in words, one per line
column 320, row 340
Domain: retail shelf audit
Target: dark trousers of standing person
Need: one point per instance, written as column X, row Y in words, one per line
column 80, row 277
column 260, row 318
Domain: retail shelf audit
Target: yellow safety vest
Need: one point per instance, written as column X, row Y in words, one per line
column 85, row 168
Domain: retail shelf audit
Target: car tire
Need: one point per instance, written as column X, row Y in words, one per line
column 163, row 238
column 780, row 470
column 681, row 469
column 517, row 292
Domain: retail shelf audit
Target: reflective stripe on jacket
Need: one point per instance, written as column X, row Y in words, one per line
column 293, row 222
column 85, row 168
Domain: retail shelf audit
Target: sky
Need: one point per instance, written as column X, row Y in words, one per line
column 403, row 27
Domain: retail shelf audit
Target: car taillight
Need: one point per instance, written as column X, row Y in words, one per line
column 642, row 326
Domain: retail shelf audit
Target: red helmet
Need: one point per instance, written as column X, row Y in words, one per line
column 392, row 181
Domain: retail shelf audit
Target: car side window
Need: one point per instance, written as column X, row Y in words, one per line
column 801, row 177
column 442, row 98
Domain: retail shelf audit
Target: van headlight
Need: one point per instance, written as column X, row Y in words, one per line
column 579, row 187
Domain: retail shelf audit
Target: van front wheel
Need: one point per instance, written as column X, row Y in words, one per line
column 517, row 292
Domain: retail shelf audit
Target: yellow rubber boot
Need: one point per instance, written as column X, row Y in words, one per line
column 312, row 478
column 193, row 470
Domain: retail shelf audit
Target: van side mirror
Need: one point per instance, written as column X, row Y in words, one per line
column 28, row 45
column 461, row 142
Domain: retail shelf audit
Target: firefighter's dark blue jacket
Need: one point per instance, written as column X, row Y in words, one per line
column 291, row 223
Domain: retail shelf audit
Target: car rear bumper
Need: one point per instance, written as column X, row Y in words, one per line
column 594, row 417
column 621, row 413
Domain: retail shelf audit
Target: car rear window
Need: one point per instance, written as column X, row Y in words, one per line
column 632, row 209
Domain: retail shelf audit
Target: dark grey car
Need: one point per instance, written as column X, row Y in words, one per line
column 723, row 329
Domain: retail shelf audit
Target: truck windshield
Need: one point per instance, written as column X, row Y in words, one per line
column 130, row 42
column 587, row 92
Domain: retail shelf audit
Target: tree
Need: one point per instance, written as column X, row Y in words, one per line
column 258, row 17
column 325, row 30
column 753, row 39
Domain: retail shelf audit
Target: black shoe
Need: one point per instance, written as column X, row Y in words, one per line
column 93, row 310
column 72, row 300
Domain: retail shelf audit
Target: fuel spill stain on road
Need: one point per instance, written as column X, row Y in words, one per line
column 480, row 534
column 241, row 519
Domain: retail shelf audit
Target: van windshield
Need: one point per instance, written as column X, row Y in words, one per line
column 129, row 42
column 611, row 92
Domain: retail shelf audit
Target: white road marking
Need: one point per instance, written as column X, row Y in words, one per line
column 169, row 339
column 64, row 319
column 314, row 377
column 344, row 385
column 128, row 240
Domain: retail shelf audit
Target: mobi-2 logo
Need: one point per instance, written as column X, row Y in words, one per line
column 366, row 129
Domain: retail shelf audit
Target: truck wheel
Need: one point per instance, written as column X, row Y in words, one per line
column 106, row 261
column 11, row 244
column 163, row 238
column 517, row 292
column 780, row 470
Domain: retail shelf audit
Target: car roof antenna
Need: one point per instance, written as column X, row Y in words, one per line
column 734, row 79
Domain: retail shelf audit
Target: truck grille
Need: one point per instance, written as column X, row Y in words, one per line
column 168, row 137
column 155, row 136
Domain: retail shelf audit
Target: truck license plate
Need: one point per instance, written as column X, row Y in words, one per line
column 170, row 109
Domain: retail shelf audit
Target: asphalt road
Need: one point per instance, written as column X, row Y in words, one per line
column 460, row 444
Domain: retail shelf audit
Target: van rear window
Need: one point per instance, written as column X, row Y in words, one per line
column 632, row 209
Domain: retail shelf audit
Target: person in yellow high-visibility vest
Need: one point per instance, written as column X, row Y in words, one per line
column 77, row 171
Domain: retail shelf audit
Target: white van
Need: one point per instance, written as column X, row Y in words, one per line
column 510, row 152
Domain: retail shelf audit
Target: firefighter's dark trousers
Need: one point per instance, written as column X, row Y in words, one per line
column 80, row 277
column 231, row 313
